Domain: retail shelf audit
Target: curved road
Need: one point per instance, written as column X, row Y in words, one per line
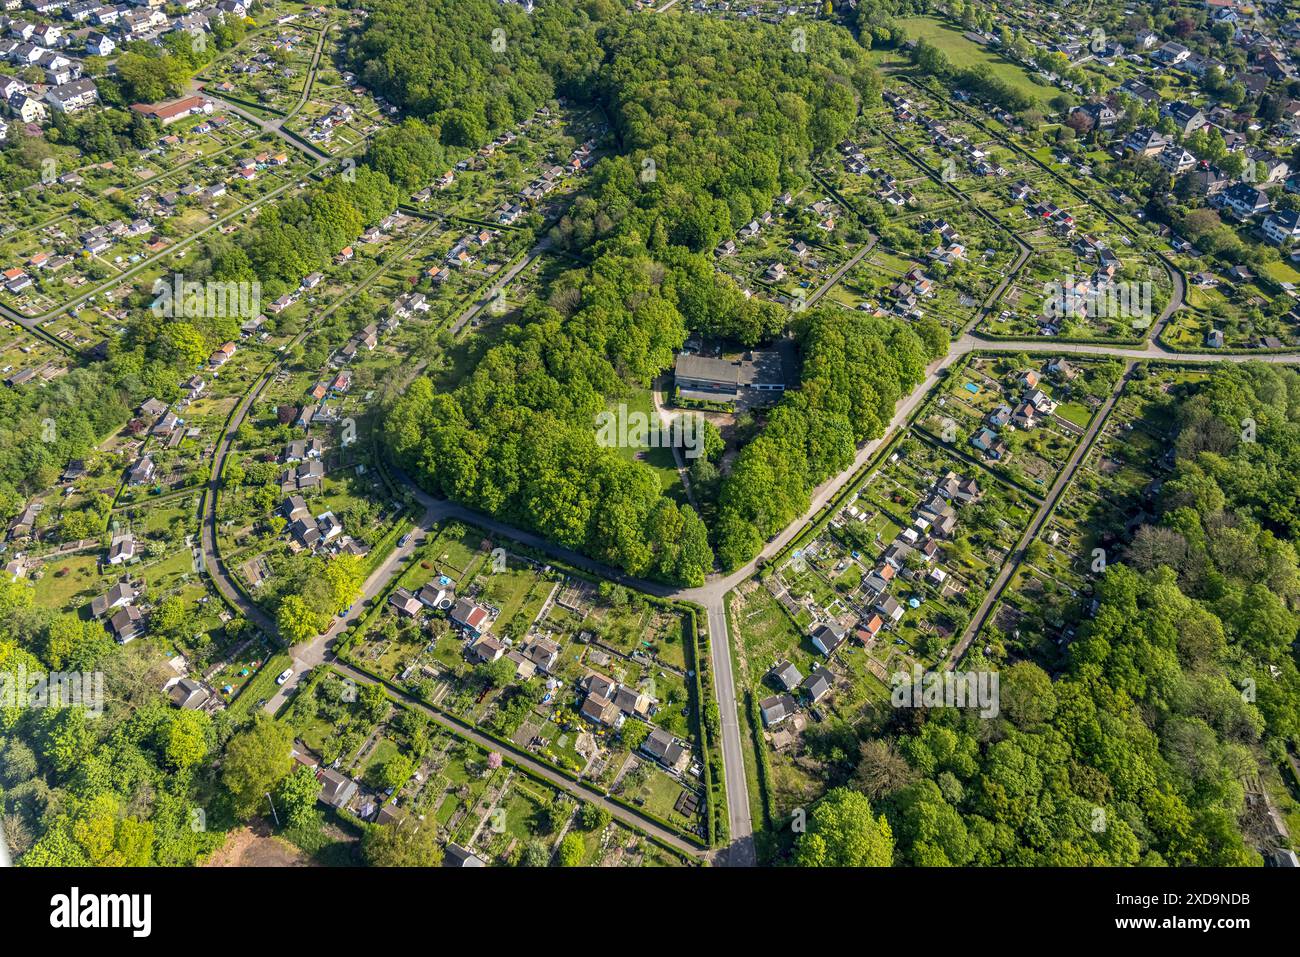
column 711, row 595
column 313, row 653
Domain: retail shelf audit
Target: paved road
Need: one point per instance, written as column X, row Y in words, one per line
column 740, row 827
column 559, row 780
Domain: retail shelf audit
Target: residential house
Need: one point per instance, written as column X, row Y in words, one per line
column 776, row 709
column 1283, row 227
column 827, row 637
column 73, row 97
column 119, row 596
column 141, row 473
column 543, row 653
column 457, row 856
column 300, row 449
column 1268, row 168
column 1145, row 141
column 869, row 628
column 188, row 694
column 1175, row 160
column 97, row 44
column 786, row 675
column 406, row 604
column 1140, row 92
column 600, row 710
column 1208, row 181
column 436, row 596
column 486, row 649
column 890, row 608
column 1244, row 201
column 631, row 702
column 667, row 750
column 121, row 549
column 1101, row 115
column 127, row 624
column 818, row 684
column 1186, row 117
column 987, row 441
column 470, row 617
column 27, row 109
column 336, row 790
column 1171, row 54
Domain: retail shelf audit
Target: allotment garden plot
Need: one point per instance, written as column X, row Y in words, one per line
column 1021, row 419
column 788, row 252
column 527, row 174
column 1114, row 284
column 268, row 71
column 594, row 678
column 1111, row 495
column 104, row 222
column 889, row 583
column 394, row 767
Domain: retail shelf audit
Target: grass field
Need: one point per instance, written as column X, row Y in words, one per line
column 658, row 458
column 1282, row 271
column 963, row 53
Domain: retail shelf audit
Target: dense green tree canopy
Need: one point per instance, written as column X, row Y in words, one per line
column 715, row 120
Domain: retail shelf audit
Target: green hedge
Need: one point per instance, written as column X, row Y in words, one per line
column 764, row 760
